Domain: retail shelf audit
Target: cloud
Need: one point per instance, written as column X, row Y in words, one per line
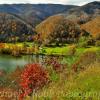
column 79, row 2
column 72, row 2
column 13, row 1
column 48, row 1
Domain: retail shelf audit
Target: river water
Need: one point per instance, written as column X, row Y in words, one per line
column 9, row 63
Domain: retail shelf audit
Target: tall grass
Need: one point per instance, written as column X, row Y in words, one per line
column 82, row 86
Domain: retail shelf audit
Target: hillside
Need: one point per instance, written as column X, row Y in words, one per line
column 48, row 26
column 65, row 27
column 84, row 13
column 13, row 28
column 57, row 29
column 90, row 8
column 93, row 27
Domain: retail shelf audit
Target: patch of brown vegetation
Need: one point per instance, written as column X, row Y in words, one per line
column 93, row 27
column 47, row 27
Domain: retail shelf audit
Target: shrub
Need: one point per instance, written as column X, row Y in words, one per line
column 33, row 77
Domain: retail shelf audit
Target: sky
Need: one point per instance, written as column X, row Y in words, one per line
column 72, row 2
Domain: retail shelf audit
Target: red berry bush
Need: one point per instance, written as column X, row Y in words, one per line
column 33, row 77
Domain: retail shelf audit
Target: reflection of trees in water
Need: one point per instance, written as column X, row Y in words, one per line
column 35, row 59
column 27, row 59
column 41, row 59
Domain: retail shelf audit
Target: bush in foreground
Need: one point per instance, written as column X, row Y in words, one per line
column 33, row 77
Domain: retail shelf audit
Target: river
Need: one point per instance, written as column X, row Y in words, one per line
column 9, row 63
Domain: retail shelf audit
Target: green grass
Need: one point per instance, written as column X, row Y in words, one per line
column 64, row 50
column 19, row 44
column 56, row 50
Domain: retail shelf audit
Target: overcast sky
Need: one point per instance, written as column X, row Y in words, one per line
column 73, row 2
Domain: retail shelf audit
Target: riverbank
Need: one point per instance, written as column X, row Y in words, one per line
column 29, row 48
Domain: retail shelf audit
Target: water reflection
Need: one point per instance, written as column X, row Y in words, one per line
column 9, row 63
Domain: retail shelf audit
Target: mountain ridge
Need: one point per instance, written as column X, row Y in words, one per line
column 34, row 11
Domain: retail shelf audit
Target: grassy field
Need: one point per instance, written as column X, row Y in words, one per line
column 81, row 86
column 65, row 50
